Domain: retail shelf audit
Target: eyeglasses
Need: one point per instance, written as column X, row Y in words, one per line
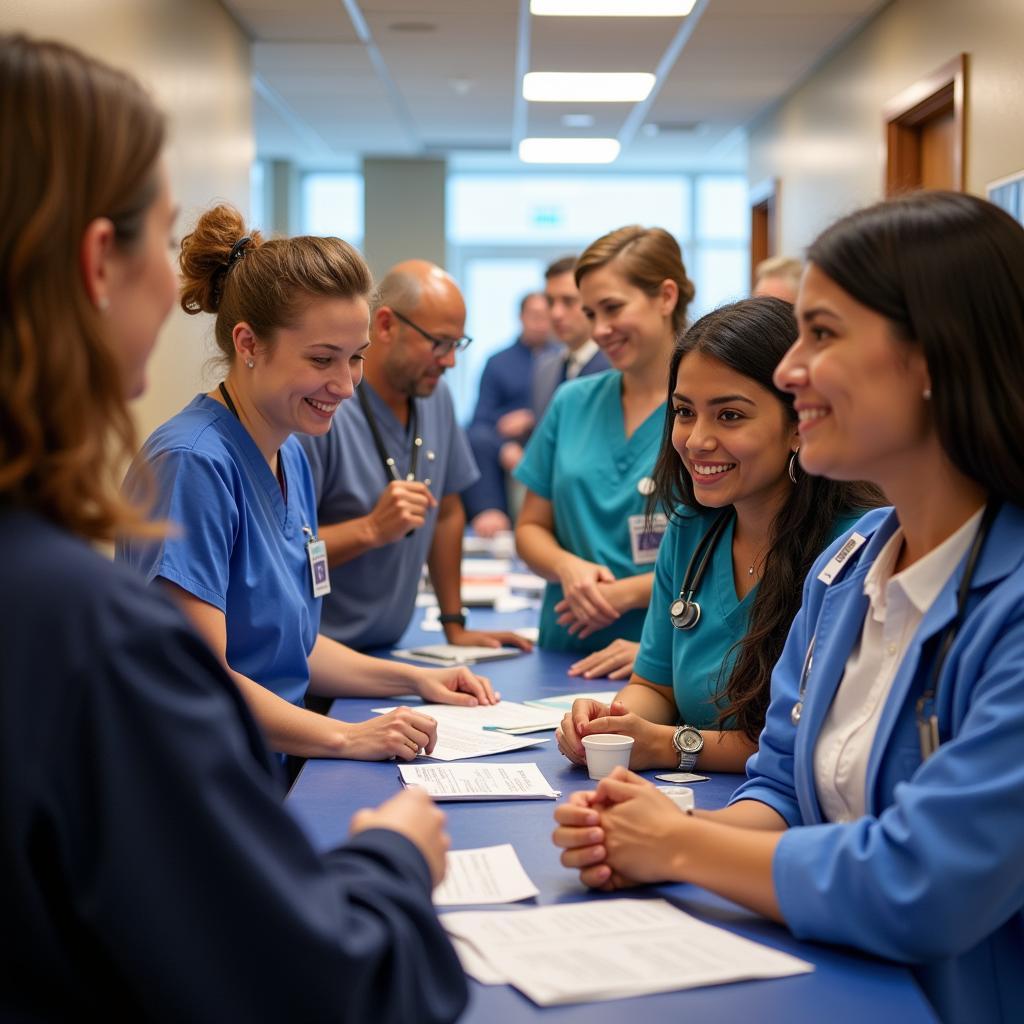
column 442, row 346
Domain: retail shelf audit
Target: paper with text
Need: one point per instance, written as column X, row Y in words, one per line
column 490, row 874
column 479, row 781
column 619, row 948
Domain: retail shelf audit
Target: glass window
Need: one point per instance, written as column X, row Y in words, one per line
column 722, row 208
column 332, row 204
column 570, row 210
column 258, row 196
column 720, row 275
column 493, row 287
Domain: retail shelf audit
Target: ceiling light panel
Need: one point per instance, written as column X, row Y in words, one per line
column 568, row 151
column 587, row 86
column 612, row 8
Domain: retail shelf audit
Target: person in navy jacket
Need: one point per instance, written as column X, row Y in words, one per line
column 149, row 869
column 884, row 809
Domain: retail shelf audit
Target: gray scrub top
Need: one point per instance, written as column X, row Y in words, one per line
column 373, row 597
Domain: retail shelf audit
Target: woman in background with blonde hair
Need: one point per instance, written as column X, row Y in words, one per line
column 292, row 318
column 588, row 466
column 150, row 872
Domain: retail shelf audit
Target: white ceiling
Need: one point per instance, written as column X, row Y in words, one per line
column 339, row 79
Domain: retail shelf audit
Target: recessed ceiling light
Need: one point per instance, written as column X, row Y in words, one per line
column 568, row 151
column 612, row 8
column 578, row 120
column 587, row 86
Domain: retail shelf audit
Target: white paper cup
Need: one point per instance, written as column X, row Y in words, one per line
column 605, row 751
column 681, row 796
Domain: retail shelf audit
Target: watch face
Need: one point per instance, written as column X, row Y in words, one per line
column 690, row 741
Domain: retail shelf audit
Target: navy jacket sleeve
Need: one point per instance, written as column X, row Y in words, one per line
column 202, row 893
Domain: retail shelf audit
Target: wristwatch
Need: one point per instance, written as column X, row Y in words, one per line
column 689, row 742
column 456, row 618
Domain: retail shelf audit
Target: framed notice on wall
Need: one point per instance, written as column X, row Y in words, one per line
column 1008, row 193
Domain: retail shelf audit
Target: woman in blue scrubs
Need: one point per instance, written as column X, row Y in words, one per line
column 728, row 460
column 587, row 468
column 292, row 321
column 150, row 871
column 884, row 809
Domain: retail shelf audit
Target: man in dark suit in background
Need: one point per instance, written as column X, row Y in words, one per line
column 580, row 356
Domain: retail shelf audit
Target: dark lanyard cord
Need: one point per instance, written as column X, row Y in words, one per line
column 281, row 478
column 389, row 463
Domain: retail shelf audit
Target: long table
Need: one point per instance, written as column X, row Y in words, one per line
column 845, row 986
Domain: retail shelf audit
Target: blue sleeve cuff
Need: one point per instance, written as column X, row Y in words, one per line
column 787, row 809
column 399, row 853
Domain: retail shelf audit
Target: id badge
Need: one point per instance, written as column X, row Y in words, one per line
column 316, row 551
column 645, row 540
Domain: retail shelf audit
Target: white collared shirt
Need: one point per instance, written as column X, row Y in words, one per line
column 897, row 606
column 575, row 361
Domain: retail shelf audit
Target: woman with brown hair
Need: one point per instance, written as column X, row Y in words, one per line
column 149, row 870
column 292, row 318
column 587, row 468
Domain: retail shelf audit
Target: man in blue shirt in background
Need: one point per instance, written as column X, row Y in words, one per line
column 389, row 472
column 504, row 418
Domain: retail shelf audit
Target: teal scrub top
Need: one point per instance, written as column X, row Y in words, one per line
column 580, row 460
column 696, row 662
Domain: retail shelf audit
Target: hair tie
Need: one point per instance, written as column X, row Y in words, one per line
column 237, row 251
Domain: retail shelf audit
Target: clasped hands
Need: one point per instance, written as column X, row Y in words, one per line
column 592, row 597
column 621, row 834
column 589, row 717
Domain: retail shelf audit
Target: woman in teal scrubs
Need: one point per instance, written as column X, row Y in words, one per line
column 728, row 457
column 588, row 466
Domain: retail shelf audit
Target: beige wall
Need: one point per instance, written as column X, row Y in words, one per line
column 824, row 142
column 196, row 60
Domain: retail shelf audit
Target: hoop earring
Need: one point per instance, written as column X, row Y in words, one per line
column 792, row 465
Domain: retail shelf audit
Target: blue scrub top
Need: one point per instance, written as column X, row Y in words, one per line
column 373, row 596
column 580, row 460
column 697, row 662
column 235, row 543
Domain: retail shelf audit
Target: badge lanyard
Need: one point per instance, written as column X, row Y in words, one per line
column 316, row 550
column 924, row 710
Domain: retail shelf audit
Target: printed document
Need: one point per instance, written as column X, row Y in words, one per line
column 491, row 874
column 479, row 781
column 619, row 948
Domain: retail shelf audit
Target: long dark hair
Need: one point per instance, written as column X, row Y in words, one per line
column 751, row 337
column 947, row 271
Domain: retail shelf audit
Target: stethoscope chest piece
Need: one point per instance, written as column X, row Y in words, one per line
column 684, row 614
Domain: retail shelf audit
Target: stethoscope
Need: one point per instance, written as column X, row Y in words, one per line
column 390, row 466
column 924, row 710
column 684, row 611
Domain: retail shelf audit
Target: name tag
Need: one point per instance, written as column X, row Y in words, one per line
column 316, row 551
column 645, row 540
column 835, row 566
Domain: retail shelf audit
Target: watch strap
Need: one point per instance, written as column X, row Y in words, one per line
column 455, row 618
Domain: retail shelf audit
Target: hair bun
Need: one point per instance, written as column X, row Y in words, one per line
column 219, row 239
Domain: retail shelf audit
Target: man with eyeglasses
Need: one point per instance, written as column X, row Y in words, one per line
column 389, row 472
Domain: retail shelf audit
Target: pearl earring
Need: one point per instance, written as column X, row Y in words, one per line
column 927, row 394
column 250, row 363
column 103, row 303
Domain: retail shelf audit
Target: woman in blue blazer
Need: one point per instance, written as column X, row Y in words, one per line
column 885, row 806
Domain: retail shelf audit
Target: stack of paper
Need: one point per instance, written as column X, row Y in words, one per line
column 481, row 730
column 479, row 781
column 490, row 874
column 618, row 948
